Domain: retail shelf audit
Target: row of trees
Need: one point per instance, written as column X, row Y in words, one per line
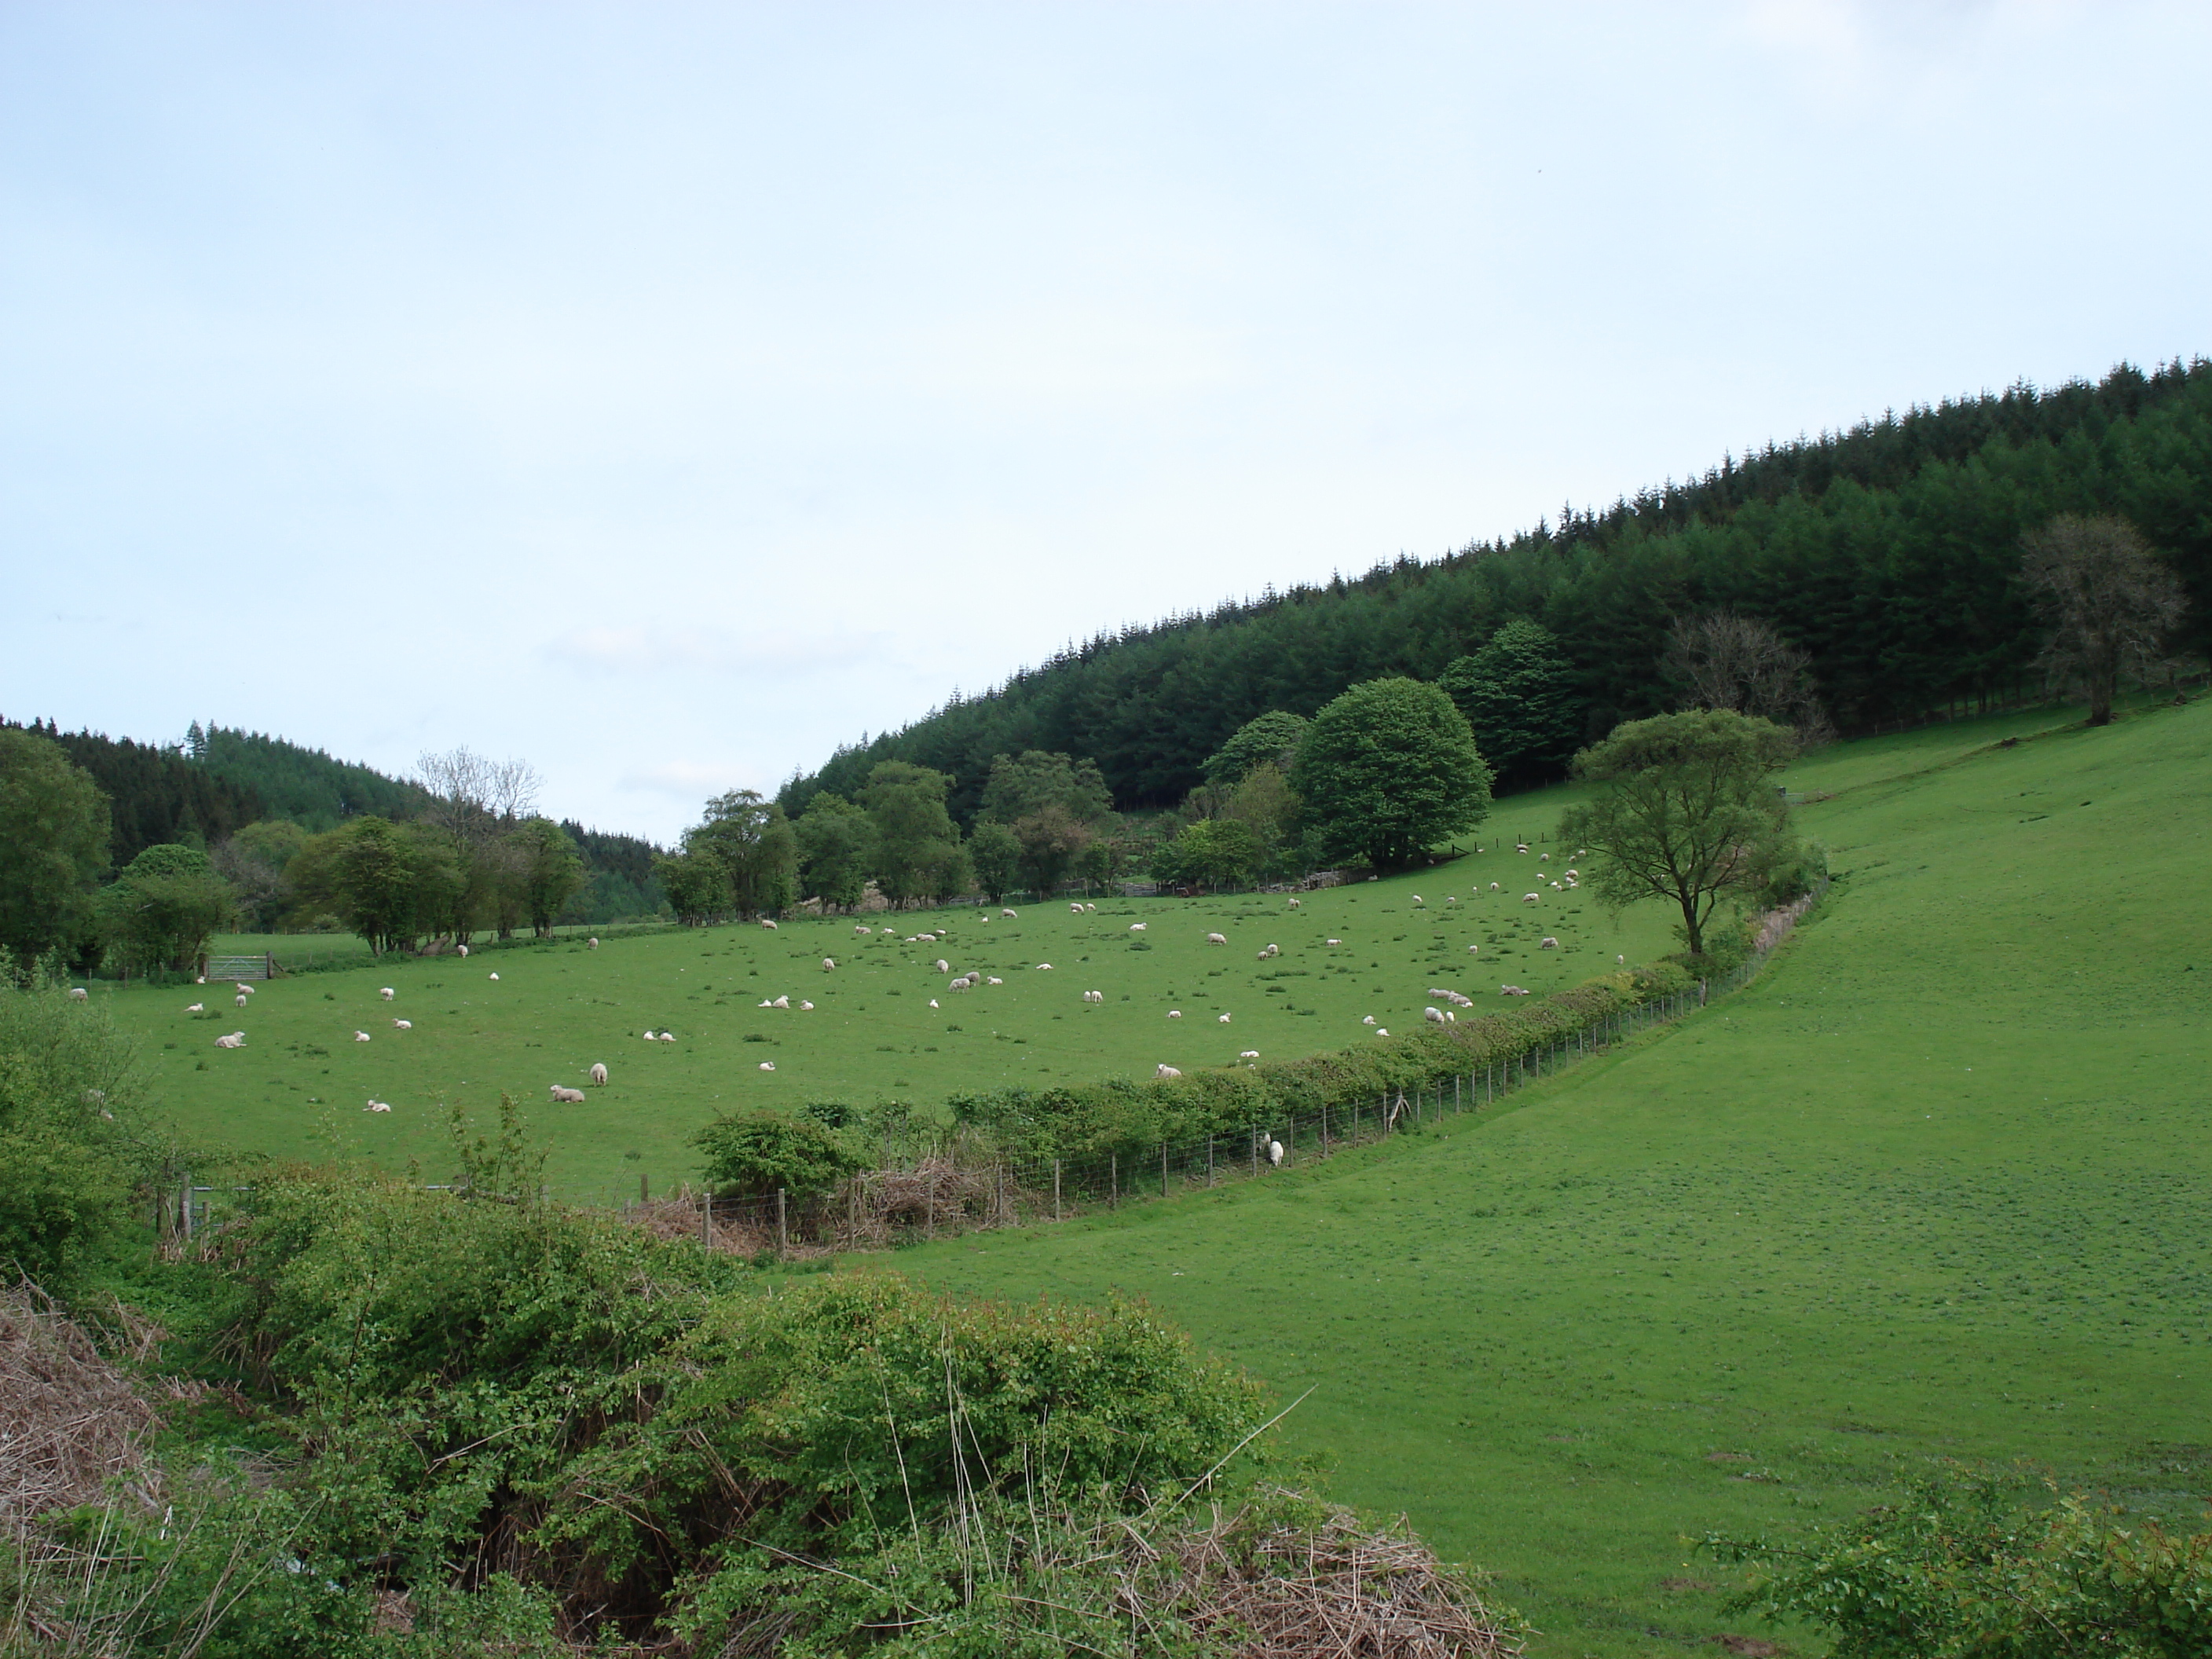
column 1890, row 555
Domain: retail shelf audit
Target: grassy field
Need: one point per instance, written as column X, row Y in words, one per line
column 299, row 1086
column 1935, row 1186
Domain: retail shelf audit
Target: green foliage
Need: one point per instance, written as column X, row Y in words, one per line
column 697, row 887
column 545, row 871
column 305, row 786
column 995, row 852
column 752, row 841
column 759, row 1153
column 1960, row 1570
column 254, row 862
column 1268, row 740
column 1052, row 839
column 1264, row 802
column 2110, row 603
column 159, row 912
column 1211, row 853
column 1387, row 771
column 836, row 851
column 389, row 883
column 69, row 1092
column 1686, row 812
column 1803, row 867
column 1518, row 694
column 154, row 794
column 1019, row 788
column 918, row 851
column 53, row 844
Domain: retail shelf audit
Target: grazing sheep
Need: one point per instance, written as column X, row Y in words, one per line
column 1088, row 908
column 1530, row 899
column 1225, row 1019
column 768, row 925
column 1072, row 909
column 1334, row 941
column 196, row 1008
column 402, row 1024
column 591, row 944
column 1044, row 966
column 1418, row 899
column 1275, row 1153
column 1623, row 960
column 1174, row 1014
column 943, row 966
column 387, row 994
column 1094, row 996
column 960, row 984
column 1547, row 943
column 827, row 963
column 1556, row 887
column 377, row 1106
column 1272, row 951
column 1217, row 938
column 465, row 950
column 668, row 1037
column 566, row 1097
column 1452, row 1016
column 1543, row 858
column 767, row 1066
column 1582, row 852
column 1493, row 886
column 234, row 1039
column 240, row 1001
column 1474, row 950
column 1574, row 875
column 1137, row 926
column 599, row 1076
column 1249, row 1054
column 1294, row 904
column 1434, row 1016
column 1165, row 1072
column 360, row 1036
column 1010, row 915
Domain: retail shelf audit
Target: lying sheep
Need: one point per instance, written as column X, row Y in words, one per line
column 1512, row 991
column 402, row 1024
column 233, row 1040
column 1165, row 1072
column 1225, row 1019
column 196, row 1008
column 566, row 1097
column 360, row 1036
column 377, row 1106
column 1174, row 1014
column 1249, row 1054
column 1137, row 926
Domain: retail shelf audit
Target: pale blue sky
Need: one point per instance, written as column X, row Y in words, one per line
column 663, row 393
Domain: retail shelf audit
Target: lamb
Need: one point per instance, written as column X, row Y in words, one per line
column 1165, row 1072
column 1249, row 1054
column 1174, row 1014
column 780, row 1002
column 805, row 1007
column 1275, row 1153
column 1334, row 941
column 244, row 989
column 566, row 1097
column 767, row 1066
column 1044, row 966
column 862, row 933
column 1557, row 888
column 196, row 1008
column 1294, row 904
column 994, row 980
column 933, row 1002
column 1367, row 1020
column 241, row 1001
column 387, row 994
column 360, row 1036
column 234, row 1040
column 377, row 1106
column 648, row 1036
column 1137, row 926
column 402, row 1024
column 1217, row 938
column 1225, row 1019
column 1094, row 996
column 599, row 1076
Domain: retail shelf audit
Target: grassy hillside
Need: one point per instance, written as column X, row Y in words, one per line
column 555, row 1009
column 1935, row 1186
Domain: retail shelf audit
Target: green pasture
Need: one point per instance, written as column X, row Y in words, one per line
column 1935, row 1186
column 299, row 1085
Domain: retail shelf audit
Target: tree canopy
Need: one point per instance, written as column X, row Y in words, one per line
column 2109, row 602
column 53, row 844
column 1685, row 811
column 1387, row 771
column 160, row 910
column 1268, row 740
column 1517, row 692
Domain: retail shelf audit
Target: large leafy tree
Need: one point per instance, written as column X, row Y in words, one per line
column 1211, row 853
column 254, row 862
column 1268, row 740
column 836, row 850
column 1685, row 810
column 697, row 886
column 1388, row 769
column 996, row 855
column 1022, row 785
column 53, row 844
column 389, row 883
column 2109, row 600
column 918, row 851
column 749, row 837
column 546, row 871
column 159, row 912
column 1518, row 694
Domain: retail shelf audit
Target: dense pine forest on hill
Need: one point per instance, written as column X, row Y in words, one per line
column 1889, row 552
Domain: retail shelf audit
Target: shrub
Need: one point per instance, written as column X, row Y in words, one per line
column 756, row 1153
column 68, row 1152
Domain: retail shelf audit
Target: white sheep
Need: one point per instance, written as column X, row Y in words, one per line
column 1072, row 909
column 377, row 1106
column 1381, row 1031
column 985, row 919
column 1174, row 1014
column 1582, row 852
column 1217, row 938
column 862, row 933
column 1512, row 991
column 464, row 950
column 1543, row 858
column 1493, row 886
column 78, row 993
column 933, row 1002
column 495, row 979
column 1367, row 1019
column 1452, row 1016
column 767, row 1066
column 767, row 924
column 1474, row 950
column 591, row 944
column 387, row 994
column 402, row 1024
column 1088, row 908
column 648, row 1036
column 1044, row 966
column 1275, row 1153
column 1434, row 1016
column 943, row 966
column 244, row 989
column 1165, row 1072
column 827, row 963
column 1272, row 951
column 1530, row 899
column 1225, row 1019
column 360, row 1036
column 805, row 1007
column 1249, row 1054
column 1010, row 915
column 240, row 1001
column 1094, row 996
column 1294, row 904
column 1334, row 941
column 994, row 980
column 566, row 1097
column 234, row 1040
column 1418, row 899
column 1137, row 926
column 1557, row 888
column 1574, row 875
column 196, row 1008
column 1520, row 846
column 780, row 1002
column 960, row 984
column 599, row 1076
column 668, row 1037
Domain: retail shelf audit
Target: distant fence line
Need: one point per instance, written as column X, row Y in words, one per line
column 958, row 1191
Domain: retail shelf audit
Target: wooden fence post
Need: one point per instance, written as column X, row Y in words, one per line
column 184, row 1209
column 782, row 1228
column 1163, row 1169
column 706, row 1221
column 1113, row 1181
column 643, row 1195
column 1209, row 1158
column 1324, row 1128
column 1055, row 1190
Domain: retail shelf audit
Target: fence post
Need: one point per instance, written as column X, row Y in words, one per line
column 1055, row 1190
column 706, row 1221
column 1114, row 1181
column 1209, row 1158
column 642, row 1197
column 1324, row 1128
column 184, row 1209
column 1163, row 1169
column 782, row 1228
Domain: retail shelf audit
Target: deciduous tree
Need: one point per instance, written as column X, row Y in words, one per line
column 53, row 845
column 1730, row 660
column 2108, row 599
column 1269, row 739
column 836, row 850
column 997, row 858
column 159, row 912
column 1388, row 769
column 1518, row 694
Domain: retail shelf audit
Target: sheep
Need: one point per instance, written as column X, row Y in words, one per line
column 241, row 1001
column 1089, row 909
column 196, row 1008
column 591, row 944
column 1493, row 886
column 994, row 980
column 1174, row 1014
column 1574, row 875
column 1010, row 915
column 360, row 1036
column 1094, row 996
column 1582, row 852
column 1434, row 1016
column 1275, row 1153
column 1543, row 858
column 1072, row 909
column 1381, row 1031
column 933, row 1002
column 780, row 1002
column 1547, row 943
column 1217, row 938
column 1249, row 1054
column 1225, row 1019
column 766, row 923
column 377, row 1106
column 1294, row 904
column 234, row 1040
column 1137, row 926
column 1512, row 991
column 201, row 980
column 566, row 1097
column 648, row 1036
column 862, row 933
column 1474, row 950
column 1531, row 898
column 986, row 921
column 805, row 1007
column 1044, row 966
column 599, row 1076
column 1451, row 898
column 464, row 950
column 1164, row 1071
column 1418, row 899
column 668, row 1037
column 402, row 1024
column 387, row 994
column 961, row 984
column 1334, row 941
column 1557, row 888
column 1367, row 1020
column 827, row 963
column 943, row 966
column 767, row 1066
column 1450, row 1016
column 1272, row 951
column 244, row 989
column 1520, row 846
column 495, row 979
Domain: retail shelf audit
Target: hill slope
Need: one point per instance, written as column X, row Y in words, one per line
column 1932, row 1186
column 1887, row 552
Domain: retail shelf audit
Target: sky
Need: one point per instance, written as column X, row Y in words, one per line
column 665, row 394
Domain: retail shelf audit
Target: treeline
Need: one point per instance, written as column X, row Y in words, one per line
column 156, row 795
column 1889, row 554
column 305, row 786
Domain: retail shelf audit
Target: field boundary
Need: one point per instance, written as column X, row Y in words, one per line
column 964, row 1190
